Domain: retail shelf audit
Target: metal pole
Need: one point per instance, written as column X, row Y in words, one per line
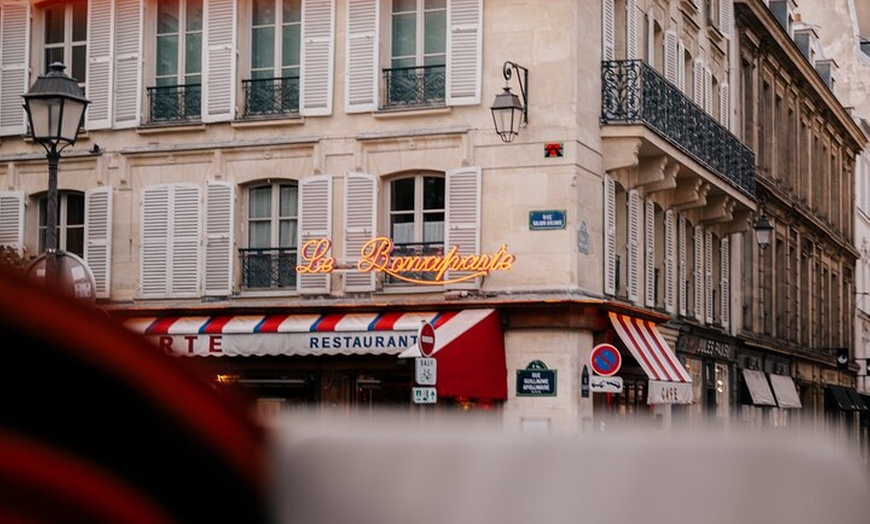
column 51, row 217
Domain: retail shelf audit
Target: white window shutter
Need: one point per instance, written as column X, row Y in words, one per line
column 708, row 277
column 464, row 51
column 219, row 238
column 185, row 241
column 463, row 217
column 318, row 53
column 12, row 220
column 315, row 222
column 671, row 56
column 360, row 219
column 681, row 67
column 98, row 87
column 726, row 16
column 670, row 261
column 682, row 283
column 633, row 244
column 708, row 91
column 725, row 284
column 724, row 106
column 609, row 235
column 650, row 37
column 361, row 65
column 154, row 243
column 608, row 30
column 219, row 64
column 698, row 78
column 127, row 87
column 98, row 238
column 631, row 30
column 650, row 252
column 14, row 38
column 698, row 276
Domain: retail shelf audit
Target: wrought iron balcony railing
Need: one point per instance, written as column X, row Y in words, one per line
column 421, row 249
column 268, row 268
column 635, row 93
column 179, row 103
column 414, row 86
column 271, row 96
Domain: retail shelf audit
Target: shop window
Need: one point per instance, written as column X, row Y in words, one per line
column 418, row 53
column 416, row 218
column 70, row 222
column 276, row 40
column 178, row 76
column 269, row 260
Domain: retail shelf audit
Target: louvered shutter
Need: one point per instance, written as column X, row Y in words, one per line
column 698, row 276
column 315, row 222
column 631, row 29
column 698, row 77
column 650, row 252
column 708, row 91
column 726, row 16
column 682, row 283
column 185, row 242
column 609, row 235
column 464, row 51
column 98, row 87
column 127, row 87
column 724, row 106
column 219, row 86
column 98, row 238
column 681, row 67
column 219, row 238
column 463, row 217
column 154, row 248
column 12, row 220
column 650, row 37
column 360, row 219
column 362, row 56
column 670, row 261
column 725, row 284
column 670, row 56
column 633, row 244
column 608, row 41
column 318, row 28
column 14, row 38
column 708, row 277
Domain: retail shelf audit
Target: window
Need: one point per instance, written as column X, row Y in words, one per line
column 178, row 75
column 269, row 261
column 70, row 223
column 416, row 217
column 276, row 40
column 66, row 31
column 418, row 45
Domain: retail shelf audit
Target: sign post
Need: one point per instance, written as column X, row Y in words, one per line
column 425, row 367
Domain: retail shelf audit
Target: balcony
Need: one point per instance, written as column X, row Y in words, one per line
column 175, row 104
column 635, row 93
column 268, row 97
column 414, row 87
column 268, row 268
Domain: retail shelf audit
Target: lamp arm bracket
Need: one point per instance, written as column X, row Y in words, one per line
column 523, row 79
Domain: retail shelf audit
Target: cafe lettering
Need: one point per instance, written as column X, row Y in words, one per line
column 377, row 255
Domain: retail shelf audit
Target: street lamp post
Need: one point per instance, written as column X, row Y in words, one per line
column 55, row 107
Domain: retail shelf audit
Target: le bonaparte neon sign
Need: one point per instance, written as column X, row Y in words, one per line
column 376, row 256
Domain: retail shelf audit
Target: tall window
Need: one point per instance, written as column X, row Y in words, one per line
column 276, row 35
column 273, row 214
column 418, row 51
column 179, row 60
column 66, row 32
column 70, row 223
column 417, row 218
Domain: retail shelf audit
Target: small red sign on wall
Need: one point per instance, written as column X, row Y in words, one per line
column 553, row 150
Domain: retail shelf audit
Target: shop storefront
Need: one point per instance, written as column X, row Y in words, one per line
column 711, row 362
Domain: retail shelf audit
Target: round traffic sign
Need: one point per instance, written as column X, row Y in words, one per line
column 605, row 360
column 426, row 339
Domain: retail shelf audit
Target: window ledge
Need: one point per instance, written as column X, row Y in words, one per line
column 411, row 112
column 268, row 122
column 169, row 128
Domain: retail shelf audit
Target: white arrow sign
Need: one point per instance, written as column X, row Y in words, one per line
column 605, row 384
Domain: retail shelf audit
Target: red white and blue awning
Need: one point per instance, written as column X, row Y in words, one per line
column 469, row 342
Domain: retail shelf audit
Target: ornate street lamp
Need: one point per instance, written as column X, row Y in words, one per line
column 763, row 230
column 55, row 107
column 508, row 112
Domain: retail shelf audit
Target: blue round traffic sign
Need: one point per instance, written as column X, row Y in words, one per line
column 605, row 360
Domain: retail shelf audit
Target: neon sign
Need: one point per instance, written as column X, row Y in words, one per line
column 376, row 255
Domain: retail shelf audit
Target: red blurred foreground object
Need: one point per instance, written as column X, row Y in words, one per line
column 98, row 426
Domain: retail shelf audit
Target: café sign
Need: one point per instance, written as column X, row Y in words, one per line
column 376, row 256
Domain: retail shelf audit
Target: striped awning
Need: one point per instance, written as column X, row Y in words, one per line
column 670, row 382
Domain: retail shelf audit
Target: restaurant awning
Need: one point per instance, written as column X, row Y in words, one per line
column 669, row 382
column 842, row 398
column 469, row 344
column 785, row 391
column 759, row 389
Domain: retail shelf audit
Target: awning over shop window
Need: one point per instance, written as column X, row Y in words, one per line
column 848, row 398
column 785, row 391
column 759, row 389
column 669, row 383
column 469, row 344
